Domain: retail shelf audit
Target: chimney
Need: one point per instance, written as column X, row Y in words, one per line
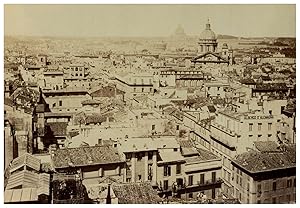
column 108, row 198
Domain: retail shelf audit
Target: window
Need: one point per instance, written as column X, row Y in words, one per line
column 190, row 180
column 269, row 126
column 178, row 168
column 274, row 186
column 270, row 112
column 134, row 89
column 142, row 89
column 118, row 170
column 213, row 176
column 177, row 127
column 139, row 177
column 259, row 126
column 228, row 124
column 166, row 184
column 54, row 104
column 202, row 178
column 150, row 155
column 269, row 135
column 190, row 195
column 153, row 127
column 274, row 200
column 295, row 182
column 250, row 127
column 175, row 149
column 289, row 183
column 288, row 198
column 259, row 188
column 60, row 103
column 128, row 156
column 101, row 172
column 140, row 156
column 167, row 170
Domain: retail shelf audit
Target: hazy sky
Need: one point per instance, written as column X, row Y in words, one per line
column 149, row 20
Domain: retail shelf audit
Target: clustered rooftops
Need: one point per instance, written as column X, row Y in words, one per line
column 82, row 156
column 255, row 161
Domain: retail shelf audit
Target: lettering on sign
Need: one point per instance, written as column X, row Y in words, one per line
column 258, row 117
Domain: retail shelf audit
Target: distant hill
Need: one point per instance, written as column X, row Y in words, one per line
column 226, row 37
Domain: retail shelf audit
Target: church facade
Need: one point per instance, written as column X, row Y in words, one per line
column 207, row 49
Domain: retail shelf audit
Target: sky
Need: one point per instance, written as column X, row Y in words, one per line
column 149, row 20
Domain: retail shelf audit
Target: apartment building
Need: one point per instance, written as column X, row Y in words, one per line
column 135, row 84
column 93, row 163
column 265, row 175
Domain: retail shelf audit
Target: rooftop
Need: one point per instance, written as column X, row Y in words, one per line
column 25, row 160
column 91, row 102
column 187, row 147
column 136, row 193
column 266, row 146
column 84, row 156
column 254, row 161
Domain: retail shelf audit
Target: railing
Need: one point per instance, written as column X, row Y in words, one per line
column 209, row 182
column 183, row 187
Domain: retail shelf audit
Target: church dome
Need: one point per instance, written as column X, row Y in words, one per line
column 208, row 34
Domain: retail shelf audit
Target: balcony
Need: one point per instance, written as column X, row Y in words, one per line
column 210, row 182
column 198, row 185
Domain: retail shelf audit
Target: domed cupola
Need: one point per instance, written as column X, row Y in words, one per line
column 207, row 40
column 208, row 34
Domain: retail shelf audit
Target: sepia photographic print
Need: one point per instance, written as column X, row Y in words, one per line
column 149, row 104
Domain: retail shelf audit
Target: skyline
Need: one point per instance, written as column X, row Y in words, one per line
column 131, row 20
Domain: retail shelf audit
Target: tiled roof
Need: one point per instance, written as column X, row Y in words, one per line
column 206, row 155
column 95, row 118
column 271, row 86
column 187, row 147
column 254, row 161
column 169, row 156
column 266, row 146
column 248, row 81
column 84, row 156
column 136, row 193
